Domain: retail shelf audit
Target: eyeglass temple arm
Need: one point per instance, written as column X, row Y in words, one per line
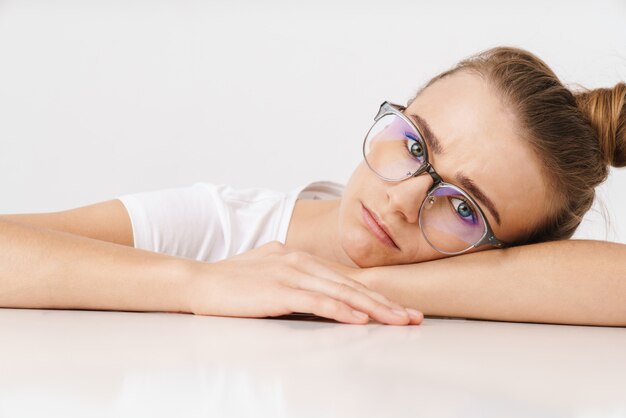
column 491, row 239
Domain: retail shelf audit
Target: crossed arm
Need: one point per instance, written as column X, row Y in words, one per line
column 566, row 282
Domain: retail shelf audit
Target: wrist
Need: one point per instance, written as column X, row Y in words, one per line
column 184, row 275
column 365, row 275
column 199, row 284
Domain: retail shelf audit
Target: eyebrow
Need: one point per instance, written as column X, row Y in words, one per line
column 463, row 180
column 430, row 137
column 471, row 187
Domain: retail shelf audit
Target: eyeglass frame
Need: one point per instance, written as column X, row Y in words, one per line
column 488, row 237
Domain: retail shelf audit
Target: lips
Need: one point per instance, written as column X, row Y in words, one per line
column 377, row 227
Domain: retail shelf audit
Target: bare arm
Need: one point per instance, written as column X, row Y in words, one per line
column 565, row 282
column 41, row 268
column 46, row 268
column 105, row 221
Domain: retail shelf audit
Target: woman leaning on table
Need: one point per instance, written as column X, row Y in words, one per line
column 463, row 207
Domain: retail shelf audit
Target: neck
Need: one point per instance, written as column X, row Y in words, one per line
column 314, row 228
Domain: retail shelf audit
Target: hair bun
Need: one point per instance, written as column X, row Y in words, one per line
column 606, row 111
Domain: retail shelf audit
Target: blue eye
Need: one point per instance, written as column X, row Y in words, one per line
column 415, row 147
column 463, row 209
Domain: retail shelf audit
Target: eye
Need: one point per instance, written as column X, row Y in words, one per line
column 463, row 209
column 415, row 147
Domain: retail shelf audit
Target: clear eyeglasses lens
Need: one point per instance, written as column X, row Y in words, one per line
column 393, row 148
column 450, row 222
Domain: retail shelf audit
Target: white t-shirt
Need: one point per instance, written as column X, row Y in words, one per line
column 211, row 222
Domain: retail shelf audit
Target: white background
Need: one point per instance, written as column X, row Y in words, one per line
column 102, row 98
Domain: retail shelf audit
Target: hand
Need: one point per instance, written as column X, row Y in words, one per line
column 272, row 281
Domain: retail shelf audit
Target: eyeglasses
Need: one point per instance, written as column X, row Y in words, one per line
column 450, row 220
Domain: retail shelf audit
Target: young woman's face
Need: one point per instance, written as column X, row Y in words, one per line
column 480, row 140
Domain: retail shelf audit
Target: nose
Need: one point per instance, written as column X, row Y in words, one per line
column 407, row 196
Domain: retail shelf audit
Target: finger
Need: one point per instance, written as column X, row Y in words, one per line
column 324, row 306
column 371, row 293
column 416, row 316
column 357, row 299
column 377, row 296
column 316, row 267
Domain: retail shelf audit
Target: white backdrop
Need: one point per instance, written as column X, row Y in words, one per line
column 104, row 97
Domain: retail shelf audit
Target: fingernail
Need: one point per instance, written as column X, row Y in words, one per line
column 415, row 313
column 360, row 315
column 399, row 312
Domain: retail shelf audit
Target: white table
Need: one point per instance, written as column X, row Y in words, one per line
column 101, row 364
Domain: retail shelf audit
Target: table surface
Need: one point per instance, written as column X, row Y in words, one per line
column 123, row 364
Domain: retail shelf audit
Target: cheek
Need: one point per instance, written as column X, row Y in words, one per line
column 359, row 178
column 356, row 240
column 366, row 251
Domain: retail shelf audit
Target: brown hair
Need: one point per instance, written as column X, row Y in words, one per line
column 576, row 134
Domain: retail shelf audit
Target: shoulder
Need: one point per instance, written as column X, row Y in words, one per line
column 321, row 190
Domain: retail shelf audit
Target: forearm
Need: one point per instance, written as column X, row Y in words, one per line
column 41, row 268
column 566, row 282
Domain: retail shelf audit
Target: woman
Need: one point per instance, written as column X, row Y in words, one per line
column 493, row 154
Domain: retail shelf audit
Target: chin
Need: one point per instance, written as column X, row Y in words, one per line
column 364, row 252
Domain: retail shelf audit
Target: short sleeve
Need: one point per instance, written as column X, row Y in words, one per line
column 182, row 222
